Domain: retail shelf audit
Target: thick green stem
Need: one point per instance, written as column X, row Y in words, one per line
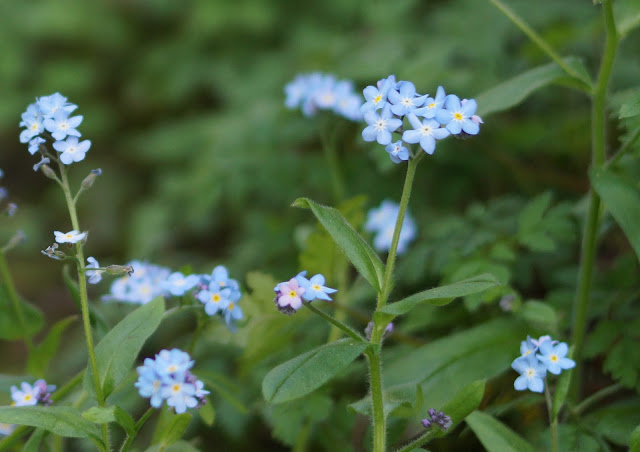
column 17, row 304
column 127, row 443
column 589, row 240
column 536, row 38
column 387, row 282
column 84, row 299
column 377, row 401
column 553, row 422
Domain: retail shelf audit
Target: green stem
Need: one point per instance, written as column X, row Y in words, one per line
column 127, row 443
column 350, row 332
column 596, row 397
column 419, row 441
column 537, row 39
column 303, row 437
column 63, row 391
column 17, row 304
column 553, row 422
column 387, row 282
column 377, row 401
column 598, row 126
column 84, row 299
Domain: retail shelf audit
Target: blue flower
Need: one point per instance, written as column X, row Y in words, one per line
column 174, row 361
column 177, row 284
column 405, row 101
column 180, row 396
column 232, row 313
column 376, row 97
column 95, row 276
column 142, row 286
column 34, row 125
column 220, row 276
column 456, row 116
column 554, row 357
column 528, row 347
column 379, row 217
column 315, row 288
column 71, row 150
column 61, row 125
column 532, row 374
column 50, row 105
column 289, row 295
column 27, row 395
column 214, row 298
column 382, row 222
column 34, row 144
column 150, row 383
column 397, row 152
column 380, row 125
column 426, row 133
column 317, row 91
column 432, row 105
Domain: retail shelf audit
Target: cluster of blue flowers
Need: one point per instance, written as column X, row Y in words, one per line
column 382, row 222
column 537, row 358
column 217, row 292
column 28, row 395
column 53, row 114
column 167, row 378
column 430, row 118
column 290, row 294
column 317, row 91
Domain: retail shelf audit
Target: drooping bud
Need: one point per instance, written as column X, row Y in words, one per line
column 119, row 270
column 47, row 171
column 43, row 161
column 91, row 178
column 53, row 253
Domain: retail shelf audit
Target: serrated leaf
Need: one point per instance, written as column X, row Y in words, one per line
column 513, row 91
column 106, row 415
column 41, row 355
column 61, row 420
column 357, row 250
column 307, row 372
column 495, row 436
column 440, row 296
column 10, row 326
column 621, row 196
column 119, row 348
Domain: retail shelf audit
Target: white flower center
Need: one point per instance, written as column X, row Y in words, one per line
column 381, row 124
column 426, row 130
column 407, row 102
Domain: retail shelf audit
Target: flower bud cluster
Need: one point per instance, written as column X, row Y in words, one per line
column 438, row 418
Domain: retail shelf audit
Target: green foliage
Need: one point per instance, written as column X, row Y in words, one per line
column 10, row 328
column 634, row 442
column 172, row 431
column 309, row 371
column 117, row 351
column 289, row 419
column 105, row 415
column 207, row 413
column 357, row 250
column 61, row 420
column 43, row 353
column 495, row 436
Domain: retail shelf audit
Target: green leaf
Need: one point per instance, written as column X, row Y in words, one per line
column 43, row 353
column 627, row 14
column 174, row 430
column 512, row 92
column 106, row 415
column 36, row 438
column 207, row 413
column 61, row 420
column 621, row 196
column 309, row 371
column 117, row 351
column 616, row 422
column 495, row 436
column 440, row 296
column 631, row 107
column 540, row 315
column 179, row 446
column 634, row 441
column 357, row 250
column 10, row 328
column 532, row 214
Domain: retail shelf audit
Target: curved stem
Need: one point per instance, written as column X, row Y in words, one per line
column 303, row 437
column 17, row 304
column 598, row 127
column 84, row 299
column 350, row 332
column 127, row 443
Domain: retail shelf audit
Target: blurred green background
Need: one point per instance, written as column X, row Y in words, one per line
column 183, row 103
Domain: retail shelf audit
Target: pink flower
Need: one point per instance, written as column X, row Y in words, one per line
column 289, row 298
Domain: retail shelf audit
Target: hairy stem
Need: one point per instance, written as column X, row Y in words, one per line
column 377, row 401
column 336, row 323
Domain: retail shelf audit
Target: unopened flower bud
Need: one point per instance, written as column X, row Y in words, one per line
column 119, row 270
column 53, row 253
column 91, row 178
column 47, row 171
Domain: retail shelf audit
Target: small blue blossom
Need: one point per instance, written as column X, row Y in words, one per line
column 528, row 347
column 376, row 97
column 380, row 125
column 34, row 144
column 232, row 313
column 142, row 286
column 426, row 133
column 214, row 298
column 532, row 374
column 34, row 127
column 29, row 395
column 50, row 105
column 432, row 105
column 61, row 125
column 168, row 378
column 72, row 150
column 95, row 276
column 177, row 284
column 405, row 100
column 456, row 116
column 554, row 358
column 397, row 152
column 317, row 91
column 315, row 288
column 69, row 237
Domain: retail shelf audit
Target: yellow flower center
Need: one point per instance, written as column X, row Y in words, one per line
column 554, row 358
column 231, row 306
column 215, row 298
column 293, row 293
column 27, row 397
column 377, row 99
column 458, row 116
column 431, row 105
column 316, row 287
column 175, row 387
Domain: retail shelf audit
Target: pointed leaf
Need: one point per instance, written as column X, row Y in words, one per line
column 357, row 250
column 309, row 371
column 495, row 436
column 44, row 352
column 61, row 420
column 562, row 389
column 631, row 107
column 207, row 413
column 627, row 14
column 621, row 196
column 106, row 415
column 513, row 91
column 174, row 429
column 117, row 351
column 440, row 296
column 36, row 438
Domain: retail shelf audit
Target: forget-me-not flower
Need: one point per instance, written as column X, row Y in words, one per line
column 432, row 104
column 177, row 284
column 532, row 373
column 376, row 97
column 50, row 105
column 95, row 276
column 214, row 298
column 404, row 101
column 555, row 357
column 69, row 237
column 34, row 144
column 456, row 117
column 315, row 288
column 289, row 296
column 72, row 150
column 61, row 125
column 397, row 152
column 380, row 125
column 425, row 132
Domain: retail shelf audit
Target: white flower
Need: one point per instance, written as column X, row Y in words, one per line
column 70, row 237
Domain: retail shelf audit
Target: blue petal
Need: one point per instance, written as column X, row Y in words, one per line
column 428, row 144
column 384, row 137
column 411, row 136
column 369, row 134
column 470, row 127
